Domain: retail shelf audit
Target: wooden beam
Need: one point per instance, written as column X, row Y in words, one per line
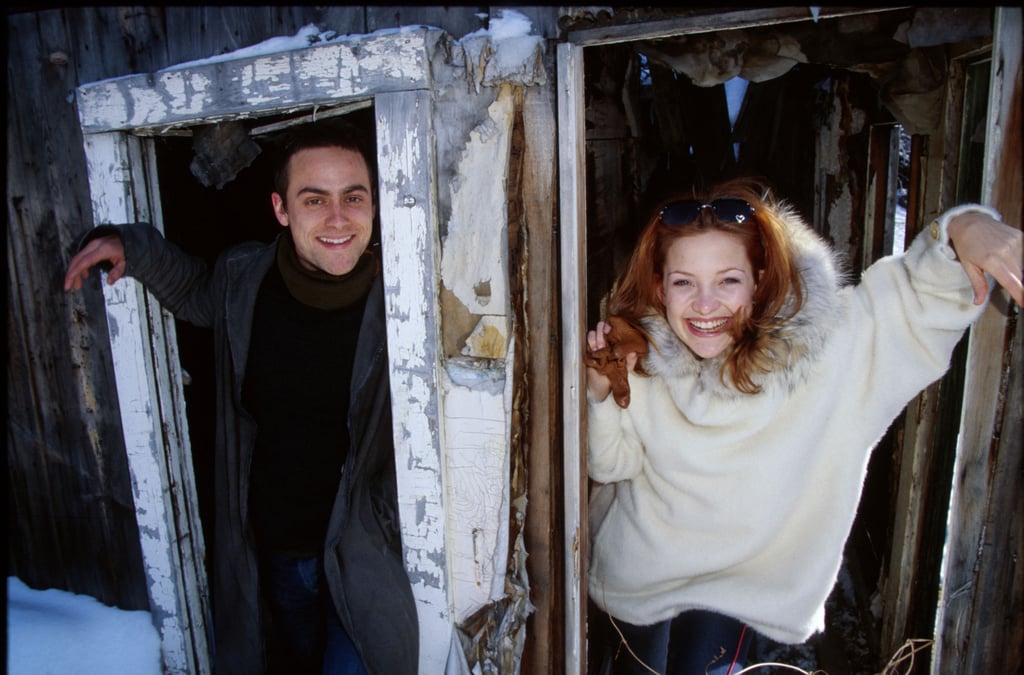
column 252, row 86
column 410, row 251
column 980, row 626
column 572, row 220
column 712, row 21
column 544, row 651
column 153, row 417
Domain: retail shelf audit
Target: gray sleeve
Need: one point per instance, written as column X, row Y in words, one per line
column 183, row 283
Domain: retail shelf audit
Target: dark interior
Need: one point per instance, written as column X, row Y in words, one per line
column 682, row 138
column 205, row 220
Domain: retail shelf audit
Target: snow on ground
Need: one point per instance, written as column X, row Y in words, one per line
column 54, row 632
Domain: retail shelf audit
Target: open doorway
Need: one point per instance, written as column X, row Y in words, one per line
column 689, row 135
column 206, row 212
column 658, row 114
column 390, row 75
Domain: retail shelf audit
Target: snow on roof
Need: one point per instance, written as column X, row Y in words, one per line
column 506, row 25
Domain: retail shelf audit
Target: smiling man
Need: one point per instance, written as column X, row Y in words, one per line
column 307, row 569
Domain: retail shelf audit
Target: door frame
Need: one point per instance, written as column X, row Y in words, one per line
column 573, row 261
column 118, row 118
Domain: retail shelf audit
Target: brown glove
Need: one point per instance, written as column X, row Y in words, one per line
column 610, row 361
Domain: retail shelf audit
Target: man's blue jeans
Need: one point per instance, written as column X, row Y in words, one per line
column 309, row 632
column 694, row 643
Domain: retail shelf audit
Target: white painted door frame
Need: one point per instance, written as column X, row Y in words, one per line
column 572, row 227
column 393, row 69
column 573, row 261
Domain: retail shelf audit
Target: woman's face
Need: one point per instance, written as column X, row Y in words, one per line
column 706, row 282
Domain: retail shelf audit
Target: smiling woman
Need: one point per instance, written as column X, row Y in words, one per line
column 716, row 467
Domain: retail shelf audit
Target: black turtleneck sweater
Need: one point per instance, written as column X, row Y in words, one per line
column 297, row 384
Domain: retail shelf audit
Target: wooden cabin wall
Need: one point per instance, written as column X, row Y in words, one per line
column 71, row 514
column 71, row 521
column 71, row 517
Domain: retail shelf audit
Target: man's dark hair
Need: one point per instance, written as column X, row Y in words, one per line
column 327, row 134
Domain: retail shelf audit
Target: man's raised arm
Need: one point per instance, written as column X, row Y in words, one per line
column 109, row 249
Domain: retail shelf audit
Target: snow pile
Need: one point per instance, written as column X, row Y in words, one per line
column 54, row 632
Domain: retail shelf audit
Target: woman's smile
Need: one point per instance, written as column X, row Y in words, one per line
column 707, row 326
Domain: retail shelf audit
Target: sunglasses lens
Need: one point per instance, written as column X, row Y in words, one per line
column 680, row 213
column 735, row 210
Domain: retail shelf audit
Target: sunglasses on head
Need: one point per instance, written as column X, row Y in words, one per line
column 686, row 211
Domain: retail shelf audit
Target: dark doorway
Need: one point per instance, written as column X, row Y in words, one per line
column 651, row 131
column 205, row 221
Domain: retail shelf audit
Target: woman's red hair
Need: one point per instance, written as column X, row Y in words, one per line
column 777, row 297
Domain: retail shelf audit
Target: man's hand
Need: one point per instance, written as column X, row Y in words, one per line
column 102, row 249
column 985, row 245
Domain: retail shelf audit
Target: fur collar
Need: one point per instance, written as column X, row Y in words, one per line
column 796, row 346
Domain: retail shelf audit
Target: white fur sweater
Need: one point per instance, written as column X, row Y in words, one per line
column 741, row 504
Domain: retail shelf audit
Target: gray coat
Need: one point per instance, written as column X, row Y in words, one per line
column 362, row 551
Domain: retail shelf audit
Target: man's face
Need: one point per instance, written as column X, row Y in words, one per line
column 329, row 207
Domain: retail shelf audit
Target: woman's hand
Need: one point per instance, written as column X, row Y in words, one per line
column 598, row 384
column 986, row 245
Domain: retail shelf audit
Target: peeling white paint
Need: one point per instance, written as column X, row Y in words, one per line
column 356, row 66
column 451, row 425
column 333, row 71
column 141, row 386
column 475, row 249
column 477, row 460
column 409, row 254
column 148, row 475
column 186, row 92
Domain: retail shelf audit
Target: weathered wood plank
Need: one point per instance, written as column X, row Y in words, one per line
column 171, row 546
column 70, row 513
column 410, row 248
column 202, row 31
column 352, row 68
column 705, row 20
column 572, row 219
column 541, row 428
column 453, row 19
column 981, row 623
column 110, row 42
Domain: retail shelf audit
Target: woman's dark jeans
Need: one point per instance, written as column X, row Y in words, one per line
column 694, row 643
column 311, row 639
